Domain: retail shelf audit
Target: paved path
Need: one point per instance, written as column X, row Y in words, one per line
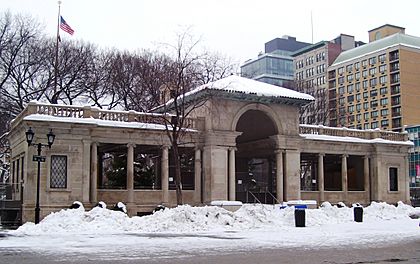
column 408, row 252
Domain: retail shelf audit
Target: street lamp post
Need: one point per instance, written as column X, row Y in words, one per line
column 29, row 137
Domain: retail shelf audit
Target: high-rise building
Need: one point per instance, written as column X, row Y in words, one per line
column 311, row 63
column 377, row 85
column 275, row 66
column 414, row 155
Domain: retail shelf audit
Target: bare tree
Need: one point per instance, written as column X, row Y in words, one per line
column 73, row 62
column 98, row 82
column 188, row 70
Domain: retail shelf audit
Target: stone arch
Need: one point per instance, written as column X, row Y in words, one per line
column 260, row 107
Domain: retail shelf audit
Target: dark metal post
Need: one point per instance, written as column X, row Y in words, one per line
column 37, row 209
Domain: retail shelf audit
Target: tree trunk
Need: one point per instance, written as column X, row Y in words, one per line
column 178, row 182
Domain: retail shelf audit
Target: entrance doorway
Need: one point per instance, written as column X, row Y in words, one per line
column 255, row 163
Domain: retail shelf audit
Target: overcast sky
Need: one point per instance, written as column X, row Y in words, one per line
column 235, row 28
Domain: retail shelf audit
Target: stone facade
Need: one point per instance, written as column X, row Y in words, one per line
column 243, row 150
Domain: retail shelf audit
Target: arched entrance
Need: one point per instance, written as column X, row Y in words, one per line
column 255, row 159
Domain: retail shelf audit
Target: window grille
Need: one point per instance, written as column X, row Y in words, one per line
column 58, row 172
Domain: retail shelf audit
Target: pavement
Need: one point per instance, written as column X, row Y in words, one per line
column 406, row 252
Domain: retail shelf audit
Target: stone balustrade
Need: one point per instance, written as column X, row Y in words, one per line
column 346, row 132
column 71, row 111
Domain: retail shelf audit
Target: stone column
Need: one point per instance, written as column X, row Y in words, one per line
column 165, row 175
column 130, row 172
column 86, row 171
column 232, row 175
column 94, row 173
column 292, row 175
column 279, row 175
column 321, row 188
column 366, row 175
column 197, row 174
column 344, row 187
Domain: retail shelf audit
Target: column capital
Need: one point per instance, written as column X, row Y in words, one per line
column 86, row 141
column 165, row 147
column 366, row 156
column 278, row 151
column 233, row 148
column 321, row 154
column 131, row 145
column 345, row 155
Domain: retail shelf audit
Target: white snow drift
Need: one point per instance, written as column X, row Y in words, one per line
column 187, row 219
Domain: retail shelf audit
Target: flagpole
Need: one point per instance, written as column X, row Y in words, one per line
column 55, row 97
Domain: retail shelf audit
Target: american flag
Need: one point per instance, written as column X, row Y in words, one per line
column 64, row 26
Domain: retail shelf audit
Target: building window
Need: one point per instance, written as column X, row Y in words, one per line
column 357, row 76
column 384, row 112
column 366, row 106
column 393, row 179
column 394, row 55
column 366, row 116
column 341, row 80
column 364, row 73
column 365, row 94
column 395, row 78
column 357, row 66
column 341, row 100
column 366, row 126
column 365, row 84
column 384, row 123
column 350, row 99
column 374, row 125
column 350, row 78
column 382, row 79
column 382, row 68
column 372, row 71
column 395, row 89
column 395, row 66
column 374, row 104
column 357, row 86
column 350, row 88
column 351, row 108
column 383, row 90
column 372, row 60
column 358, row 97
column 341, row 90
column 395, row 100
column 340, row 70
column 374, row 114
column 374, row 93
column 382, row 57
column 373, row 82
column 358, row 107
column 364, row 63
column 58, row 178
column 349, row 68
column 384, row 101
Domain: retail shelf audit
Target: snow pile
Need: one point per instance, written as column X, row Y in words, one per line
column 187, row 219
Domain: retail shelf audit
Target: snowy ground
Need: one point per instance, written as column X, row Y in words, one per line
column 210, row 230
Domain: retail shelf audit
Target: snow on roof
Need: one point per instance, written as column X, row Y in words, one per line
column 378, row 45
column 237, row 84
column 92, row 121
column 354, row 139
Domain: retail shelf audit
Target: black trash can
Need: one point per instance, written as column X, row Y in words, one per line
column 358, row 214
column 300, row 217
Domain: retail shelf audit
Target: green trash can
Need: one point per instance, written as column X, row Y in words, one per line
column 300, row 217
column 358, row 214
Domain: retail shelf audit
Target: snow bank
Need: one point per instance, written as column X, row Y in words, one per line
column 187, row 219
